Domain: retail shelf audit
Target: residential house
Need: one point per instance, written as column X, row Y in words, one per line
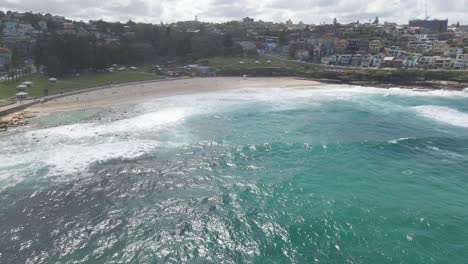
column 366, row 60
column 440, row 47
column 201, row 71
column 326, row 60
column 453, row 52
column 10, row 29
column 248, row 45
column 420, row 47
column 335, row 59
column 324, row 46
column 302, row 54
column 426, row 62
column 388, row 62
column 356, row 60
column 345, row 59
column 354, row 44
column 377, row 60
column 271, row 43
column 394, row 51
column 342, row 45
column 443, row 63
column 43, row 25
column 411, row 60
column 461, row 62
column 375, row 46
column 5, row 58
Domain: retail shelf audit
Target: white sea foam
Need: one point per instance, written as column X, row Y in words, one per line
column 72, row 148
column 149, row 121
column 395, row 141
column 64, row 160
column 443, row 114
column 78, row 156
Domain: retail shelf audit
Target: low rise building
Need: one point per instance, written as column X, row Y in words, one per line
column 461, row 62
column 366, row 60
column 426, row 62
column 453, row 52
column 5, row 58
column 345, row 59
column 440, row 47
column 375, row 46
column 356, row 60
column 443, row 63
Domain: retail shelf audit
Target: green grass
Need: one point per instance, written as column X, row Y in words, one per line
column 4, row 103
column 249, row 62
column 70, row 83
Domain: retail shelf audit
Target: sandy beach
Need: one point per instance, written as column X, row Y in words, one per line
column 144, row 91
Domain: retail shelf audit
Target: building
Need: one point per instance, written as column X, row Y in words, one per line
column 375, row 46
column 248, row 20
column 440, row 47
column 443, row 63
column 366, row 61
column 461, row 62
column 356, row 60
column 453, row 52
column 426, row 62
column 434, row 25
column 43, row 25
column 420, row 47
column 377, row 60
column 394, row 51
column 5, row 58
column 342, row 45
column 201, row 71
column 271, row 43
column 411, row 60
column 388, row 62
column 345, row 59
column 248, row 45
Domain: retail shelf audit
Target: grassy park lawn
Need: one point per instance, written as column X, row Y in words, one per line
column 249, row 62
column 6, row 102
column 71, row 83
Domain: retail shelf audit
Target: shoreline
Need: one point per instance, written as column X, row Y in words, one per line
column 146, row 90
column 135, row 92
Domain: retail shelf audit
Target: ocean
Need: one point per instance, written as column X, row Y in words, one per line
column 330, row 174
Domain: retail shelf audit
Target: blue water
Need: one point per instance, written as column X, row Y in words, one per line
column 332, row 174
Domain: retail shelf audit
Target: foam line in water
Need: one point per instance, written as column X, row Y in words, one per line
column 443, row 114
column 143, row 122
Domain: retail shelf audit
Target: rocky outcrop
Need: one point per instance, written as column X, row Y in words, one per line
column 16, row 120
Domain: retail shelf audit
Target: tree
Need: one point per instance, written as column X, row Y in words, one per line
column 53, row 66
column 376, row 21
column 227, row 40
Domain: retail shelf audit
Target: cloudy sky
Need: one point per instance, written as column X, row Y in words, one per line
column 308, row 11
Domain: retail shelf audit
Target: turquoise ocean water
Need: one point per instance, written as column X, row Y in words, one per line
column 334, row 174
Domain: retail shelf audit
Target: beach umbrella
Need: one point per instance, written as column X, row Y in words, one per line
column 28, row 84
column 22, row 95
column 21, row 87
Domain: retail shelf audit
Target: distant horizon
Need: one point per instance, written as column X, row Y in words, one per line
column 231, row 20
column 220, row 11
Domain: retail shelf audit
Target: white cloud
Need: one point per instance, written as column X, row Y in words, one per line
column 309, row 11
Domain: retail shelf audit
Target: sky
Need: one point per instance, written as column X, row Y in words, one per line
column 308, row 11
